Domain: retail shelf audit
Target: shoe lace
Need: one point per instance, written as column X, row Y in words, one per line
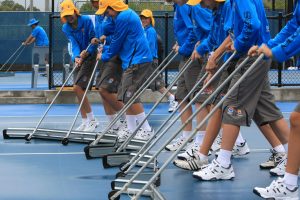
column 178, row 141
column 275, row 184
column 219, row 140
column 172, row 103
column 278, row 157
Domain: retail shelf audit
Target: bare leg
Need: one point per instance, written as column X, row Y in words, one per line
column 281, row 129
column 293, row 162
column 270, row 135
column 201, row 115
column 135, row 109
column 230, row 134
column 212, row 132
column 111, row 99
column 163, row 90
column 185, row 116
column 86, row 107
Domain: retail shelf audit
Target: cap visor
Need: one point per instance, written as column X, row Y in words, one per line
column 193, row 2
column 101, row 10
column 66, row 13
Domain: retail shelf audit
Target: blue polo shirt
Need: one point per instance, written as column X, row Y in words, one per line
column 128, row 41
column 80, row 37
column 41, row 38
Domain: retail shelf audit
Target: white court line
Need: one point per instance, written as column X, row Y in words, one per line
column 59, row 122
column 14, row 116
column 67, row 115
column 70, row 122
column 33, row 154
column 81, row 153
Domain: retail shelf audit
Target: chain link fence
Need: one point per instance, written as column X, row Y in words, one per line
column 14, row 31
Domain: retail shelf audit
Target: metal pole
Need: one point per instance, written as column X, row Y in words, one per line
column 290, row 6
column 198, row 127
column 280, row 18
column 166, row 43
column 273, row 5
column 31, row 5
column 50, row 52
column 47, row 5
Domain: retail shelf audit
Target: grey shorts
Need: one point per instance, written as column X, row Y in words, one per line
column 266, row 110
column 159, row 82
column 83, row 74
column 250, row 97
column 207, row 91
column 297, row 109
column 110, row 75
column 189, row 78
column 132, row 79
column 224, row 75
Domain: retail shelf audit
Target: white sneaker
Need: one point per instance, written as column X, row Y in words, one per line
column 194, row 147
column 279, row 170
column 172, row 106
column 273, row 161
column 176, row 144
column 91, row 126
column 214, row 171
column 278, row 190
column 124, row 135
column 121, row 129
column 81, row 127
column 193, row 163
column 217, row 143
column 143, row 134
column 240, row 149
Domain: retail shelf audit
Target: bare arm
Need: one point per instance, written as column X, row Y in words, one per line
column 212, row 62
column 29, row 40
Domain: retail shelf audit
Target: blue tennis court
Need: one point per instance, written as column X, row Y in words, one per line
column 42, row 170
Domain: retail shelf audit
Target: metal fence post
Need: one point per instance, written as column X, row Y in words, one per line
column 50, row 78
column 280, row 18
column 166, row 43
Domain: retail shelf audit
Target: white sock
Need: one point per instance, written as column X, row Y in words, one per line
column 199, row 137
column 111, row 117
column 239, row 139
column 90, row 116
column 140, row 117
column 202, row 156
column 221, row 132
column 286, row 147
column 224, row 158
column 171, row 97
column 131, row 122
column 84, row 120
column 186, row 134
column 123, row 117
column 279, row 149
column 290, row 180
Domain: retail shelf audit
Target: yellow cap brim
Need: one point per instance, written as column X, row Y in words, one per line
column 193, row 2
column 66, row 13
column 101, row 10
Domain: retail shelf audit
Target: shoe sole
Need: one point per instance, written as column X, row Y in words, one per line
column 258, row 194
column 264, row 167
column 274, row 174
column 213, row 179
column 185, row 168
column 271, row 198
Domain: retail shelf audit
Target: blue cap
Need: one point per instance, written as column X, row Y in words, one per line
column 32, row 22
